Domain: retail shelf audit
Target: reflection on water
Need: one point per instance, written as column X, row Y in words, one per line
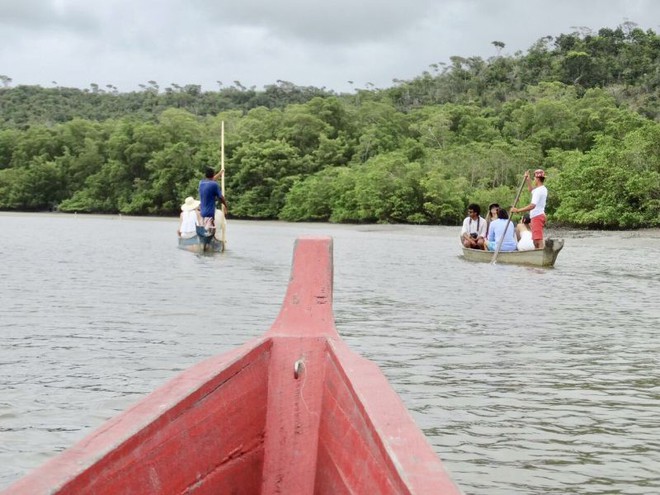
column 524, row 380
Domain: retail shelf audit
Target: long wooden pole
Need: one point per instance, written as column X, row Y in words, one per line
column 515, row 202
column 222, row 180
column 222, row 157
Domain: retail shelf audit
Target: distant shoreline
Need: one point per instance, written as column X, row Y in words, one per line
column 552, row 229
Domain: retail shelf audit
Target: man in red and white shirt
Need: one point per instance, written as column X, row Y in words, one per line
column 536, row 207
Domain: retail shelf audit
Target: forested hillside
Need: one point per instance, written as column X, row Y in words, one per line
column 583, row 106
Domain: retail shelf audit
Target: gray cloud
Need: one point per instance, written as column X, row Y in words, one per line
column 335, row 22
column 43, row 14
column 307, row 42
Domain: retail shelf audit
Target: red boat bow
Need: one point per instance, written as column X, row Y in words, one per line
column 294, row 412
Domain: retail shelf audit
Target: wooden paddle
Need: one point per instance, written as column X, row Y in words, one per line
column 515, row 202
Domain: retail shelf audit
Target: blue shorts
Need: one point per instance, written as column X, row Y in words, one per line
column 492, row 246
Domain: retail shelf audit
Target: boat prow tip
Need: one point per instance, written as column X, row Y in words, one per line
column 307, row 307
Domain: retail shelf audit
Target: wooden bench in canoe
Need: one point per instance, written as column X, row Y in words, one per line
column 536, row 257
column 293, row 412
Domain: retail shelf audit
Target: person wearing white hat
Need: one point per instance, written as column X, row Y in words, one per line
column 536, row 207
column 189, row 219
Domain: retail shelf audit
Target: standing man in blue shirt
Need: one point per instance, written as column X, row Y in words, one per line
column 209, row 191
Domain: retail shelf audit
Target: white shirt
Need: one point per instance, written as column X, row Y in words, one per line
column 539, row 195
column 526, row 243
column 188, row 223
column 477, row 226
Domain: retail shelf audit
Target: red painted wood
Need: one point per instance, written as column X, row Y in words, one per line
column 307, row 308
column 244, row 423
column 376, row 427
column 186, row 430
column 294, row 407
column 351, row 445
column 299, row 333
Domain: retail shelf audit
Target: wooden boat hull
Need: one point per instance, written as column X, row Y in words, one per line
column 292, row 412
column 208, row 244
column 545, row 257
column 197, row 244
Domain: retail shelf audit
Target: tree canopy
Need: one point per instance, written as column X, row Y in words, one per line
column 583, row 106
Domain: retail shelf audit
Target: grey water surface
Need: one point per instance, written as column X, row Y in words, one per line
column 524, row 380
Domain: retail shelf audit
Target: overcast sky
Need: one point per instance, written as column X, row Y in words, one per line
column 322, row 43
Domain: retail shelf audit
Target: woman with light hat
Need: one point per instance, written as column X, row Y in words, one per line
column 189, row 219
column 536, row 207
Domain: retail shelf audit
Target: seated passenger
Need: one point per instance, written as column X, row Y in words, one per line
column 474, row 228
column 524, row 234
column 493, row 208
column 502, row 229
column 189, row 218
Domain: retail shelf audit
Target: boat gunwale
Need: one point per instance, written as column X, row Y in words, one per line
column 544, row 257
column 390, row 421
column 169, row 401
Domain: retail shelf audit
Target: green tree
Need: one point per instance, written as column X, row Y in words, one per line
column 387, row 189
column 444, row 197
column 615, row 185
column 35, row 187
column 312, row 198
column 259, row 169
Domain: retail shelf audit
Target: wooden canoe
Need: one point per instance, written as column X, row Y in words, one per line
column 207, row 244
column 293, row 412
column 545, row 257
column 198, row 244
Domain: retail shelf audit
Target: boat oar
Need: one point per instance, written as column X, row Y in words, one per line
column 515, row 202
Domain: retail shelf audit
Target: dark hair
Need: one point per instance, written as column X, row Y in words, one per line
column 493, row 205
column 501, row 213
column 526, row 219
column 541, row 179
column 209, row 173
column 474, row 207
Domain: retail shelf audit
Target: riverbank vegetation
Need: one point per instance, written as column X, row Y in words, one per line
column 584, row 106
